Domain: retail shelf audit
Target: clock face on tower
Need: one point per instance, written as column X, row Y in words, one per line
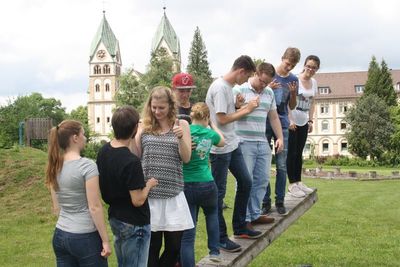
column 101, row 54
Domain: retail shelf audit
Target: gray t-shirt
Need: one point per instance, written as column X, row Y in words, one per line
column 74, row 211
column 220, row 99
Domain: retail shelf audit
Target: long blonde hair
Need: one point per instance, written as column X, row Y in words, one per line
column 150, row 123
column 59, row 138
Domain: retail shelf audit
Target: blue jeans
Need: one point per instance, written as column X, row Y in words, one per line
column 280, row 159
column 131, row 243
column 74, row 250
column 204, row 195
column 257, row 156
column 220, row 163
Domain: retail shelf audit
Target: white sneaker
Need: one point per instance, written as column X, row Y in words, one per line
column 304, row 188
column 215, row 257
column 295, row 191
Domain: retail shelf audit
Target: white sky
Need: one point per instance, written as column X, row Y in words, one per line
column 45, row 43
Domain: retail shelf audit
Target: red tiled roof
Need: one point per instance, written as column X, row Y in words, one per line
column 342, row 84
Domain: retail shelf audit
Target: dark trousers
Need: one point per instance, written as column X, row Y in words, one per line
column 294, row 161
column 172, row 246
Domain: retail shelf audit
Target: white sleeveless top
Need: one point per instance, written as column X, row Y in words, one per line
column 300, row 115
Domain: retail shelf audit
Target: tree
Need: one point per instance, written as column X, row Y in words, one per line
column 380, row 82
column 198, row 67
column 386, row 89
column 131, row 91
column 81, row 114
column 370, row 127
column 160, row 69
column 24, row 107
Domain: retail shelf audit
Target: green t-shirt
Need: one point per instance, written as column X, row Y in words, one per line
column 198, row 170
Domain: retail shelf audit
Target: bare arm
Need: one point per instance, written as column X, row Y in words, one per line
column 293, row 94
column 218, row 131
column 224, row 118
column 310, row 117
column 185, row 142
column 139, row 196
column 56, row 207
column 277, row 128
column 97, row 213
column 135, row 145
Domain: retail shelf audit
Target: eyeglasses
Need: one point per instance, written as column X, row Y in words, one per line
column 313, row 68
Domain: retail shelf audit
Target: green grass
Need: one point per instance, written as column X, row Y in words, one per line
column 354, row 223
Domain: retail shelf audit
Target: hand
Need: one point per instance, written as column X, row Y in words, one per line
column 310, row 127
column 292, row 126
column 254, row 103
column 239, row 100
column 177, row 129
column 152, row 182
column 279, row 146
column 293, row 87
column 106, row 251
column 274, row 84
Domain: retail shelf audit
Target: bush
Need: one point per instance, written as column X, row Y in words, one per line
column 91, row 149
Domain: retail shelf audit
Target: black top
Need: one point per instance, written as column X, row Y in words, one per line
column 121, row 171
column 184, row 114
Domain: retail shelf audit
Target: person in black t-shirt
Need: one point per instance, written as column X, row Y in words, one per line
column 182, row 86
column 123, row 187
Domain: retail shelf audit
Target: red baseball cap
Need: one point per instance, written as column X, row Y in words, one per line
column 183, row 81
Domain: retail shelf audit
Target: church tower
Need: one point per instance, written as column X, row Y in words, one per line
column 166, row 37
column 104, row 70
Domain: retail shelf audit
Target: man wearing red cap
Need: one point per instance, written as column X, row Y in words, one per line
column 182, row 85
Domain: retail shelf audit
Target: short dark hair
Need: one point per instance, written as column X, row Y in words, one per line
column 313, row 58
column 244, row 62
column 266, row 68
column 124, row 122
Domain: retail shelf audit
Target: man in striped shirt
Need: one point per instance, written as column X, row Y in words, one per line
column 253, row 141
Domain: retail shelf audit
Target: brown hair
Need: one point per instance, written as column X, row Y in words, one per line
column 265, row 68
column 292, row 54
column 124, row 122
column 244, row 62
column 200, row 111
column 150, row 123
column 59, row 138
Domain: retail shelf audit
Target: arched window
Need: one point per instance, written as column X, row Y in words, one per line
column 343, row 146
column 106, row 69
column 107, row 87
column 97, row 86
column 325, row 146
column 97, row 69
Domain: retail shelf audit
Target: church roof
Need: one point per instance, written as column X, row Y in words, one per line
column 106, row 36
column 166, row 32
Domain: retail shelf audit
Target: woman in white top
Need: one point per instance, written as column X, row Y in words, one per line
column 80, row 237
column 301, row 123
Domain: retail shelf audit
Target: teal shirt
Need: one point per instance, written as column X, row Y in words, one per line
column 198, row 170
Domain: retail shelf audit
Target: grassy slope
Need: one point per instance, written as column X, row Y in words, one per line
column 353, row 223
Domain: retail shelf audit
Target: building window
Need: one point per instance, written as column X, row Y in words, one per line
column 324, row 109
column 106, row 69
column 324, row 126
column 307, row 148
column 107, row 87
column 97, row 69
column 97, row 88
column 98, row 119
column 398, row 87
column 343, row 146
column 108, row 119
column 343, row 108
column 343, row 125
column 359, row 88
column 325, row 146
column 323, row 90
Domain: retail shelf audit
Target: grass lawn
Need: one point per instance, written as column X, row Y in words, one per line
column 354, row 223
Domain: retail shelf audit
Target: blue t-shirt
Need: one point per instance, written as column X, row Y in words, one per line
column 282, row 96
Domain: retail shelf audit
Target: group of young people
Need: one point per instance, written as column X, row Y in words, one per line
column 155, row 174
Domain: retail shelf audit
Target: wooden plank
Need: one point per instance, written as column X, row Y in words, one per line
column 295, row 207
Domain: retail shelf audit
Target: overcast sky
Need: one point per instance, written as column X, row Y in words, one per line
column 45, row 43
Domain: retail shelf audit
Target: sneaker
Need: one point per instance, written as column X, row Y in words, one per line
column 215, row 257
column 304, row 188
column 247, row 234
column 266, row 208
column 229, row 246
column 263, row 219
column 295, row 191
column 280, row 208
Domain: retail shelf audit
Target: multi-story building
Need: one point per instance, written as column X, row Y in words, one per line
column 337, row 92
column 105, row 68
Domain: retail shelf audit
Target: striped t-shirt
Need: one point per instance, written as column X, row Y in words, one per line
column 252, row 126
